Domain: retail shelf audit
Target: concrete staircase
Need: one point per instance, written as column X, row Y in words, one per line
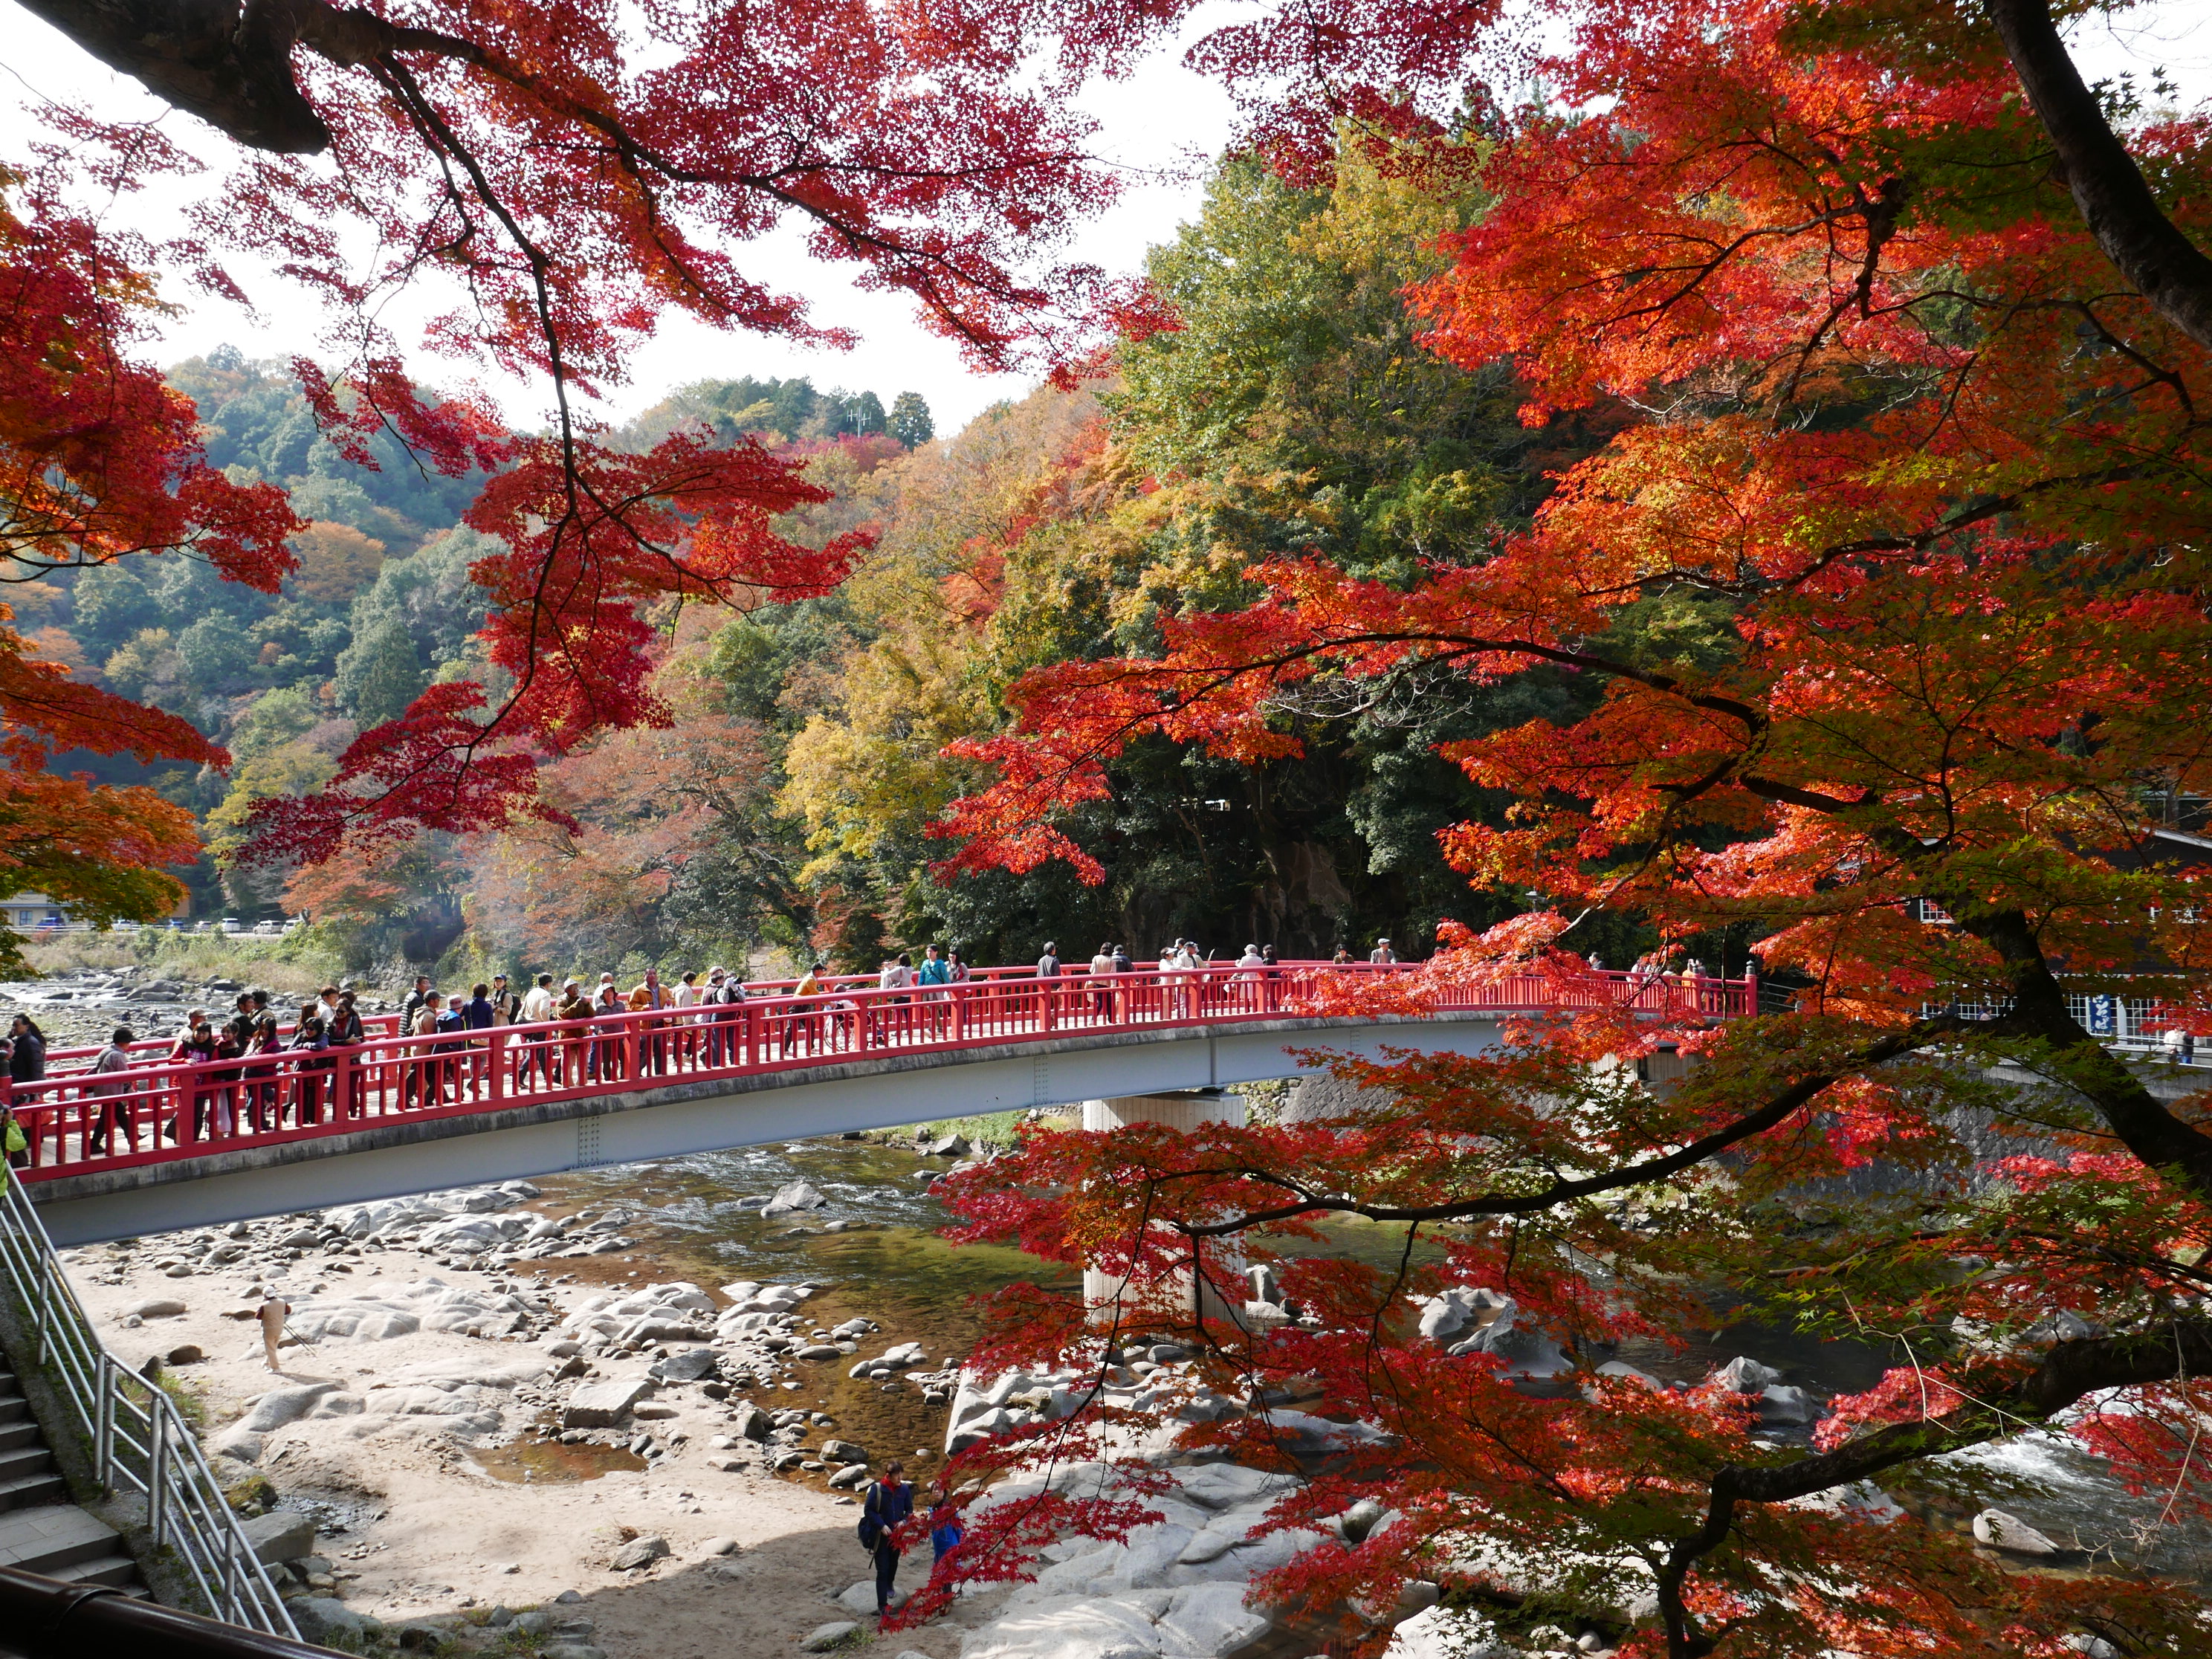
column 40, row 1530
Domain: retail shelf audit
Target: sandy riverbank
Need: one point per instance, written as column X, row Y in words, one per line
column 396, row 1449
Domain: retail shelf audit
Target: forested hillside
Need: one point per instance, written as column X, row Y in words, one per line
column 789, row 801
column 381, row 605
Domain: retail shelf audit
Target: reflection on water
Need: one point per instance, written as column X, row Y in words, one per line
column 890, row 1266
column 537, row 1462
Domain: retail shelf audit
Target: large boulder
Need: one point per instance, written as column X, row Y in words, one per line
column 281, row 1406
column 602, row 1404
column 793, row 1197
column 859, row 1599
column 279, row 1536
column 328, row 1621
column 2003, row 1530
column 1210, row 1621
column 1067, row 1627
column 1785, row 1406
column 689, row 1366
column 1744, row 1375
column 638, row 1552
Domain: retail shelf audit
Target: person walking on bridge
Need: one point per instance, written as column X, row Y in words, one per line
column 479, row 1013
column 652, row 1047
column 347, row 1031
column 266, row 1039
column 1102, row 969
column 935, row 974
column 422, row 1088
column 538, row 1007
column 311, row 1041
column 688, row 994
column 1251, row 974
column 606, row 1058
column 196, row 1047
column 505, row 1004
column 413, row 1006
column 574, row 1013
column 1382, row 955
column 727, row 998
column 115, row 1057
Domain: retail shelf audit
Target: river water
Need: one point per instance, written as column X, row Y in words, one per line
column 889, row 1263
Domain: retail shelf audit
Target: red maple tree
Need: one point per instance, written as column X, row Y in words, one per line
column 98, row 461
column 574, row 174
column 1928, row 431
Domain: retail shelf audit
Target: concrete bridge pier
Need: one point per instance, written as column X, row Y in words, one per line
column 1185, row 1110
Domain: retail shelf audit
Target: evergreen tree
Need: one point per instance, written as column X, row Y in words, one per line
column 909, row 420
column 380, row 673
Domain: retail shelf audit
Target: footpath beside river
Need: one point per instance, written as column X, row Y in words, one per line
column 419, row 1421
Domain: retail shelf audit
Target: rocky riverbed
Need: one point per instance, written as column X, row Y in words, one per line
column 623, row 1412
column 80, row 1007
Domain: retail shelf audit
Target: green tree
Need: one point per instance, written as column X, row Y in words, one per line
column 380, row 673
column 909, row 421
column 864, row 414
column 216, row 656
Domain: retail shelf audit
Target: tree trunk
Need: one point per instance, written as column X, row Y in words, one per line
column 2146, row 248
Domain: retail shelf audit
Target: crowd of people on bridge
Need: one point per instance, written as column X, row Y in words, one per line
column 250, row 1070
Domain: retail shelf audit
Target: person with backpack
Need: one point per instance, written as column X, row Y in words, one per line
column 478, row 1013
column 945, row 1530
column 889, row 1501
column 425, row 1073
column 728, row 1000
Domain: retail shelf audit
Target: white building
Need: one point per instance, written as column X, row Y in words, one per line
column 35, row 911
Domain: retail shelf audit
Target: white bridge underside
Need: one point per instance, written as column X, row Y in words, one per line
column 395, row 1157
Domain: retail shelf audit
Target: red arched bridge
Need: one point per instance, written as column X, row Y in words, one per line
column 166, row 1142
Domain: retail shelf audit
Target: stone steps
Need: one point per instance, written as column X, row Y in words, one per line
column 40, row 1530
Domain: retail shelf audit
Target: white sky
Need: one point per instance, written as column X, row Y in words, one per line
column 1155, row 126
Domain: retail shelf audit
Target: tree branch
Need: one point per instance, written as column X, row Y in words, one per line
column 1777, row 1109
column 2116, row 203
column 2068, row 1371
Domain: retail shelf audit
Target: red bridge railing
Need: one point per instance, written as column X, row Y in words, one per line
column 165, row 1111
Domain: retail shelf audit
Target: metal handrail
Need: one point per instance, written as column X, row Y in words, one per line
column 43, row 1618
column 137, row 1440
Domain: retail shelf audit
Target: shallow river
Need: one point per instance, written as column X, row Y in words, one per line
column 891, row 1264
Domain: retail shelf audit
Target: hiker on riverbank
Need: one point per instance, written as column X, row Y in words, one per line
column 890, row 1501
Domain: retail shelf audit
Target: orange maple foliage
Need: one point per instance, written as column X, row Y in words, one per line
column 1942, row 469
